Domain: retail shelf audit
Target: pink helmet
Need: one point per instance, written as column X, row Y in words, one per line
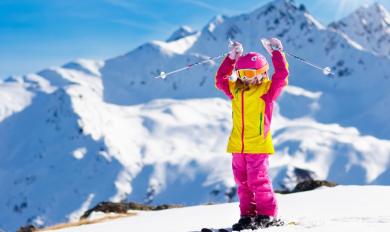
column 252, row 60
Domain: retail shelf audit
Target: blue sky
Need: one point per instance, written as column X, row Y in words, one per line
column 35, row 34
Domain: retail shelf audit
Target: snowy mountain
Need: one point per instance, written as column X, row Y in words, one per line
column 90, row 131
column 327, row 209
column 357, row 70
column 369, row 26
column 180, row 33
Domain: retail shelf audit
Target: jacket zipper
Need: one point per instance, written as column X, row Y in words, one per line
column 261, row 123
column 242, row 120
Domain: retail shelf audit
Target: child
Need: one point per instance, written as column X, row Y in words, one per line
column 250, row 142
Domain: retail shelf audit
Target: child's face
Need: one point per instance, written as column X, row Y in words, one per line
column 253, row 81
column 256, row 80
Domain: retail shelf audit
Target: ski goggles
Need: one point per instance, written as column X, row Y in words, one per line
column 251, row 73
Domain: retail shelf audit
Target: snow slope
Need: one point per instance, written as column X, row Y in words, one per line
column 14, row 97
column 342, row 208
column 89, row 131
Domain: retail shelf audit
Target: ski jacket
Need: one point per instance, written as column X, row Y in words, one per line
column 252, row 109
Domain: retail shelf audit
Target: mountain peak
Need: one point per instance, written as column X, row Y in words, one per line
column 180, row 33
column 214, row 22
column 288, row 8
column 276, row 4
column 283, row 3
column 374, row 11
column 376, row 8
column 369, row 26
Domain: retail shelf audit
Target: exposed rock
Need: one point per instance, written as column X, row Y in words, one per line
column 312, row 184
column 111, row 207
column 28, row 228
column 308, row 185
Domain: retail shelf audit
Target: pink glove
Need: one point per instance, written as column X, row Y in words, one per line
column 276, row 44
column 272, row 45
column 236, row 50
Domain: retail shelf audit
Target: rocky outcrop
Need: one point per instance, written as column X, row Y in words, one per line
column 111, row 207
column 308, row 185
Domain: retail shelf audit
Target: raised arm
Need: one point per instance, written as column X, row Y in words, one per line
column 280, row 77
column 222, row 77
column 225, row 70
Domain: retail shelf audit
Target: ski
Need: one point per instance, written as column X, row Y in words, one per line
column 216, row 230
column 276, row 223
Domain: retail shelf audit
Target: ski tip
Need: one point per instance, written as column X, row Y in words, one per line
column 206, row 230
column 215, row 230
column 223, row 230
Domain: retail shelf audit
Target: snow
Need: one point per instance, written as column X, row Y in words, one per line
column 89, row 66
column 158, row 152
column 294, row 90
column 179, row 46
column 79, row 153
column 14, row 98
column 358, row 70
column 108, row 129
column 341, row 208
column 369, row 26
column 180, row 33
column 314, row 21
column 75, row 216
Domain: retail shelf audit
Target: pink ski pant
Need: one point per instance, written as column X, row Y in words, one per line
column 254, row 187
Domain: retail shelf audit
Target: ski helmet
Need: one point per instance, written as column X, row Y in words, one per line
column 252, row 60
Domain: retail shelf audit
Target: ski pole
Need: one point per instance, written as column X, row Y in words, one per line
column 163, row 74
column 326, row 70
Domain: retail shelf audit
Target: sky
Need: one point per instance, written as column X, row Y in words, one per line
column 36, row 34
